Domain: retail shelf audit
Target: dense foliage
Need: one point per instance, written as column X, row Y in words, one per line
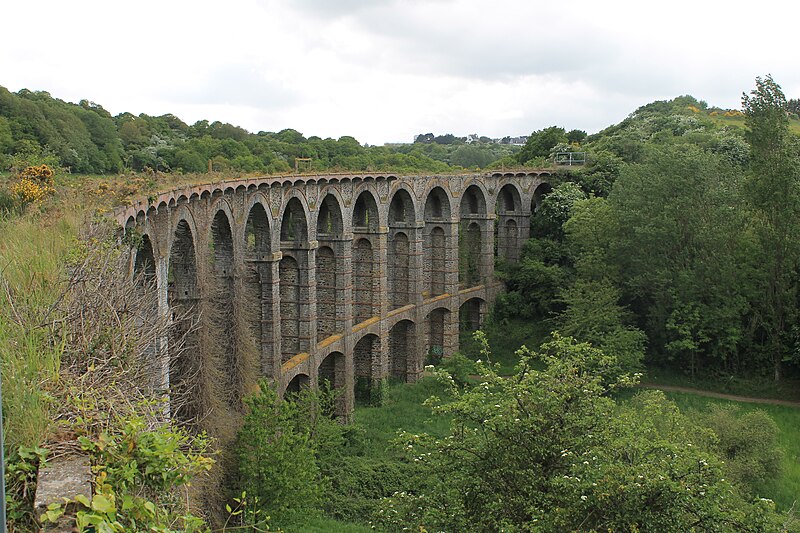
column 679, row 235
column 549, row 450
column 85, row 138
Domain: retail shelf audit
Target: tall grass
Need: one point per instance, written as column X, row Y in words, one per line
column 33, row 248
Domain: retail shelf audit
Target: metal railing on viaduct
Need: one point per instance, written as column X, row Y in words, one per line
column 354, row 279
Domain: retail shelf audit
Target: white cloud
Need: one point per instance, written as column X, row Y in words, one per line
column 386, row 70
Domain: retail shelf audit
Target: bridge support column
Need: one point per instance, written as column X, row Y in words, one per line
column 348, row 395
column 268, row 311
column 487, row 250
column 450, row 345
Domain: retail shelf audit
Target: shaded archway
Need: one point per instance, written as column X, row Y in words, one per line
column 542, row 190
column 258, row 301
column 298, row 383
column 401, row 225
column 402, row 351
column 366, row 358
column 148, row 321
column 470, row 242
column 437, row 216
column 221, row 313
column 329, row 275
column 508, row 208
column 183, row 298
column 295, row 299
column 435, row 324
column 470, row 315
column 331, row 376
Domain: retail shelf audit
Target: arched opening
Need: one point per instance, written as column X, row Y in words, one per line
column 366, row 357
column 222, row 320
column 329, row 275
column 401, row 222
column 401, row 209
column 364, row 290
column 331, row 376
column 144, row 277
column 470, row 315
column 294, row 283
column 183, row 298
column 256, row 233
column 294, row 230
column 401, row 351
column 542, row 190
column 298, row 383
column 435, row 337
column 437, row 213
column 365, row 213
column 329, row 219
column 257, row 301
column 508, row 209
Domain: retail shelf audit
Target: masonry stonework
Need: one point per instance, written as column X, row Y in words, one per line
column 352, row 279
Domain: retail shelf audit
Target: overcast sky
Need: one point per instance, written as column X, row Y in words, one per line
column 385, row 70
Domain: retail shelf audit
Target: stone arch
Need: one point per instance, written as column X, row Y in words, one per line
column 436, row 334
column 402, row 222
column 365, row 213
column 365, row 290
column 329, row 218
column 144, row 268
column 437, row 205
column 146, row 282
column 473, row 224
column 471, row 314
column 332, row 373
column 541, row 190
column 473, row 201
column 294, row 223
column 508, row 208
column 437, row 215
column 508, row 200
column 257, row 236
column 183, row 297
column 402, row 351
column 329, row 268
column 222, row 320
column 298, row 383
column 402, row 211
column 366, row 358
column 257, row 300
column 295, row 304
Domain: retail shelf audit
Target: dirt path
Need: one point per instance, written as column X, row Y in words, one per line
column 722, row 396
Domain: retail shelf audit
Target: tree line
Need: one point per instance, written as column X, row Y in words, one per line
column 85, row 138
column 677, row 243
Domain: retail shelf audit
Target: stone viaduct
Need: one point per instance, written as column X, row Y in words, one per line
column 354, row 279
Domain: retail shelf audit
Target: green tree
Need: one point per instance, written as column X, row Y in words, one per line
column 772, row 191
column 549, row 450
column 541, row 142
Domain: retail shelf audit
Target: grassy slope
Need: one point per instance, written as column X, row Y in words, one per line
column 785, row 489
